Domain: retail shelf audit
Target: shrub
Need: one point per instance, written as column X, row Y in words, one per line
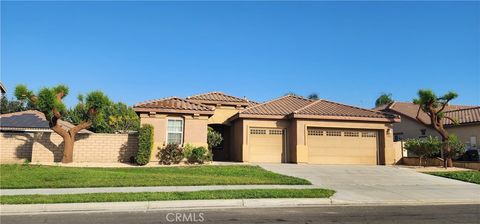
column 214, row 138
column 171, row 154
column 426, row 147
column 145, row 144
column 187, row 150
column 457, row 147
column 200, row 155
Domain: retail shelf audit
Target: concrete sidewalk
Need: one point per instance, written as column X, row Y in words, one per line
column 47, row 191
column 146, row 206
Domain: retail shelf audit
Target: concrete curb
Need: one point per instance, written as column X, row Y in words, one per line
column 146, row 206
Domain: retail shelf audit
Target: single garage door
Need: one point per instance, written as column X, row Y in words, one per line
column 342, row 146
column 267, row 145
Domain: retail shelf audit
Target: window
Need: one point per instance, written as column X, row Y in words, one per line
column 175, row 131
column 333, row 133
column 258, row 131
column 369, row 134
column 351, row 134
column 473, row 142
column 423, row 131
column 397, row 137
column 314, row 132
column 275, row 132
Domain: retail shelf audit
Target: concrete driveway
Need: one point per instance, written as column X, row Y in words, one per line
column 381, row 184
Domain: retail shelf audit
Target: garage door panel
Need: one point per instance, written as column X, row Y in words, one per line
column 266, row 144
column 342, row 146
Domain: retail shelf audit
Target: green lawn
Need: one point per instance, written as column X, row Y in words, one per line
column 162, row 196
column 36, row 176
column 467, row 176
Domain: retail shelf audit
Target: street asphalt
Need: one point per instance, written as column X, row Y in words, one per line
column 437, row 214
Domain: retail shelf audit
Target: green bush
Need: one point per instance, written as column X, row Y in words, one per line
column 171, row 154
column 425, row 147
column 145, row 144
column 457, row 147
column 200, row 155
column 187, row 150
column 214, row 138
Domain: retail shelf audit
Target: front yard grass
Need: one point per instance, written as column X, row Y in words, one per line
column 467, row 176
column 37, row 176
column 163, row 196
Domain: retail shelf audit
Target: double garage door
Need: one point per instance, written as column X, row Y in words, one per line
column 325, row 146
column 342, row 146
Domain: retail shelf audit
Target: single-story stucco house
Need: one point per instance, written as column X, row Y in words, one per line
column 289, row 129
column 467, row 128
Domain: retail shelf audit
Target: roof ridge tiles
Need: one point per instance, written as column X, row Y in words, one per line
column 360, row 108
column 200, row 94
column 308, row 105
column 173, row 98
column 273, row 100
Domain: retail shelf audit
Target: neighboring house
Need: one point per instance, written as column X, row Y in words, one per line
column 467, row 128
column 3, row 90
column 29, row 121
column 287, row 129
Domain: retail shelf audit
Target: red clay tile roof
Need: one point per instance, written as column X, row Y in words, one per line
column 173, row 105
column 410, row 110
column 463, row 116
column 299, row 107
column 30, row 120
column 220, row 98
column 325, row 109
column 282, row 106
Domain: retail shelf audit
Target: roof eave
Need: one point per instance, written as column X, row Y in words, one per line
column 172, row 111
column 260, row 116
column 347, row 118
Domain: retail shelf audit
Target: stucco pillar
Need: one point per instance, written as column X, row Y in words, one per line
column 195, row 130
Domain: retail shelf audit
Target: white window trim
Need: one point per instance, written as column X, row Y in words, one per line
column 182, row 132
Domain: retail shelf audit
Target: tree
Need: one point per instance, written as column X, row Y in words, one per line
column 113, row 118
column 10, row 106
column 49, row 101
column 434, row 107
column 384, row 98
column 313, row 96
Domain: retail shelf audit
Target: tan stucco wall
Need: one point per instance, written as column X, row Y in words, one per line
column 222, row 114
column 195, row 130
column 237, row 140
column 412, row 129
column 464, row 132
column 385, row 139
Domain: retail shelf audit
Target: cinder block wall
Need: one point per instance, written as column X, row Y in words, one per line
column 48, row 146
column 15, row 147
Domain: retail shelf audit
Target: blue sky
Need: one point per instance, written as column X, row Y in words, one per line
column 348, row 52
